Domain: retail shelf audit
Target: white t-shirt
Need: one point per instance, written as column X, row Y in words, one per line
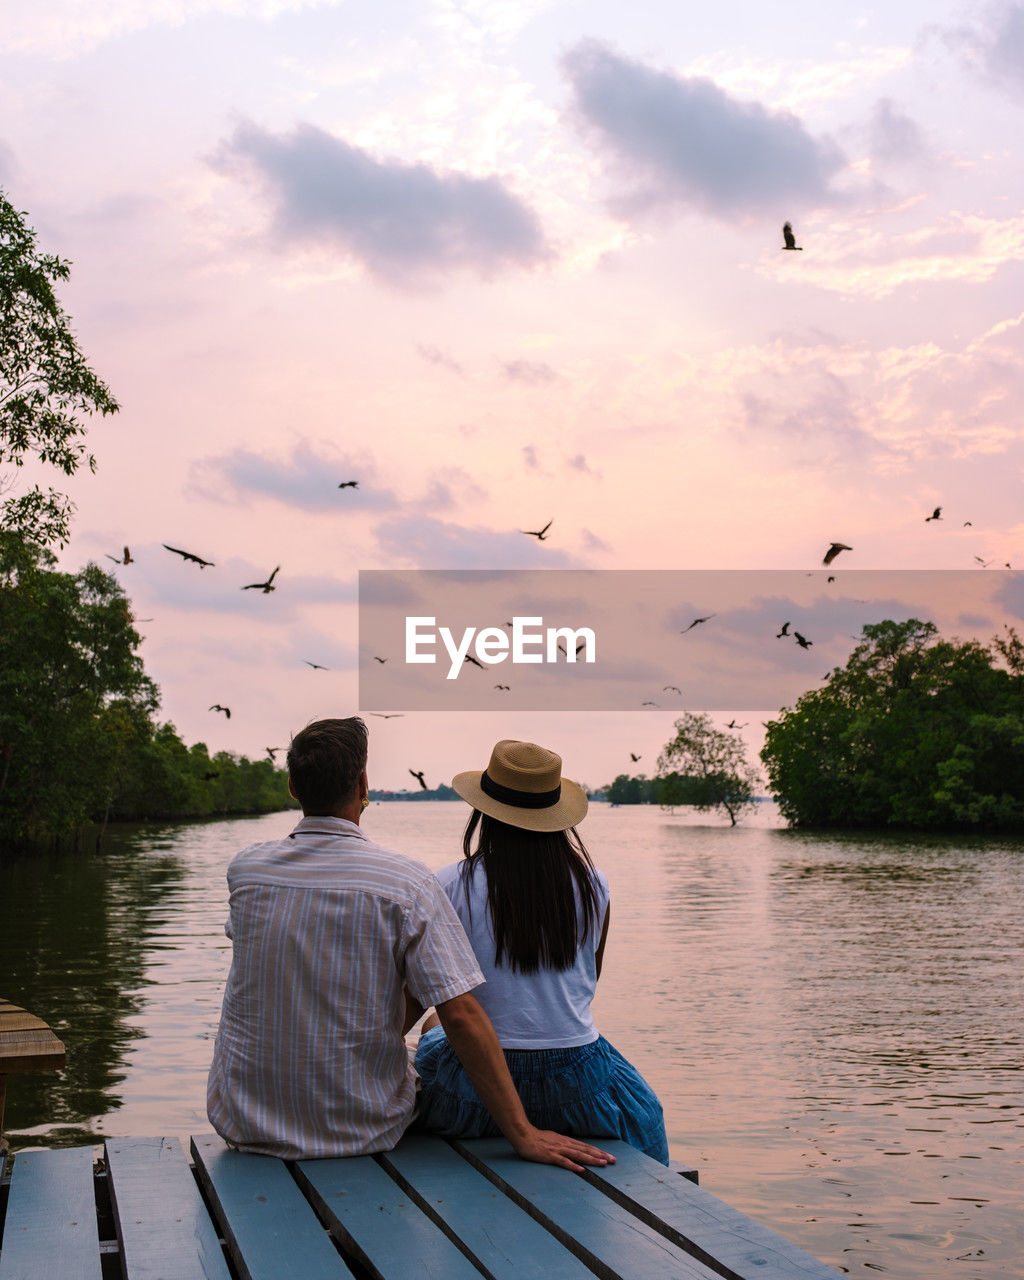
column 549, row 1009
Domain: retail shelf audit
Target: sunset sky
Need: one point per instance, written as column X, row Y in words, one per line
column 512, row 261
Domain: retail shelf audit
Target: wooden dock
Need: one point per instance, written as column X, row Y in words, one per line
column 429, row 1209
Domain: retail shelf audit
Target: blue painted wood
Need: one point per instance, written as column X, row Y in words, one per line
column 611, row 1241
column 270, row 1229
column 500, row 1236
column 371, row 1216
column 164, row 1229
column 50, row 1229
column 702, row 1223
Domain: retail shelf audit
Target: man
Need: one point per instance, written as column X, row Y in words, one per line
column 338, row 947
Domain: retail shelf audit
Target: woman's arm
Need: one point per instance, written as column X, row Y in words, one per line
column 599, row 955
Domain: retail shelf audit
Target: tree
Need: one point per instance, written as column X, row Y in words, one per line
column 914, row 731
column 706, row 767
column 45, row 384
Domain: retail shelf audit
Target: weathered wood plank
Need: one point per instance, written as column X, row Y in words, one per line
column 26, row 1042
column 612, row 1242
column 270, row 1229
column 163, row 1227
column 501, row 1237
column 370, row 1214
column 50, row 1229
column 696, row 1220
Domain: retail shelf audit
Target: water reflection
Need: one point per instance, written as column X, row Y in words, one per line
column 73, row 933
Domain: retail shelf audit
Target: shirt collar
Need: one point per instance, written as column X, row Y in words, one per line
column 325, row 826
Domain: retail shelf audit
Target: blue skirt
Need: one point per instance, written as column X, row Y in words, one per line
column 586, row 1092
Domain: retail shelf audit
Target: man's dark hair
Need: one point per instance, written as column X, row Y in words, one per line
column 324, row 763
column 540, row 892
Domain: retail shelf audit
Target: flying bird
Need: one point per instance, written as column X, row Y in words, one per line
column 388, row 715
column 539, row 534
column 833, row 551
column 802, row 641
column 783, row 632
column 670, row 688
column 648, row 704
column 272, row 753
column 419, row 778
column 217, row 707
column 935, row 515
column 968, row 525
column 380, row 660
column 634, row 757
column 733, row 725
column 315, row 665
column 831, row 578
column 561, row 647
column 696, row 622
column 984, row 563
column 790, row 238
column 475, row 661
column 349, row 484
column 187, row 555
column 265, row 587
column 504, row 687
column 125, row 559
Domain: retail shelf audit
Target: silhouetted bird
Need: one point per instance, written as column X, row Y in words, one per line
column 634, row 757
column 968, row 525
column 831, row 578
column 349, row 484
column 833, row 551
column 380, row 660
column 539, row 534
column 126, row 559
column 217, row 707
column 935, row 515
column 783, row 632
column 419, row 778
column 388, row 715
column 475, row 661
column 561, row 647
column 790, row 238
column 272, row 753
column 695, row 623
column 733, row 725
column 802, row 641
column 265, row 587
column 504, row 687
column 648, row 704
column 315, row 665
column 984, row 563
column 187, row 555
column 670, row 688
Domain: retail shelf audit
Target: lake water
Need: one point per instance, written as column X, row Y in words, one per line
column 834, row 1025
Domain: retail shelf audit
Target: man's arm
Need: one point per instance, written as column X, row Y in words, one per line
column 472, row 1036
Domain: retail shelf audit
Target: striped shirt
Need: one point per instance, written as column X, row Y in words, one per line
column 327, row 928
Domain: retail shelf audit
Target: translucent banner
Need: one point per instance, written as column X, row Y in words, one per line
column 579, row 640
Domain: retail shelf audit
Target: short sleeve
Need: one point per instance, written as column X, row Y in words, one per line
column 439, row 963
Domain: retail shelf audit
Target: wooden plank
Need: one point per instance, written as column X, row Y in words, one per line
column 162, row 1223
column 741, row 1247
column 31, row 1049
column 50, row 1229
column 370, row 1215
column 503, row 1239
column 604, row 1235
column 270, row 1228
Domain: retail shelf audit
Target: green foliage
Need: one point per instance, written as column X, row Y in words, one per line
column 915, row 731
column 78, row 741
column 627, row 790
column 706, row 767
column 45, row 384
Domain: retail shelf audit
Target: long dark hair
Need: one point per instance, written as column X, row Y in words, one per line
column 530, row 892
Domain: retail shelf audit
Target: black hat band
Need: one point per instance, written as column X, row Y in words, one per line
column 519, row 799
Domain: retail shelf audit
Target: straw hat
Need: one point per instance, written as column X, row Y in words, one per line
column 523, row 786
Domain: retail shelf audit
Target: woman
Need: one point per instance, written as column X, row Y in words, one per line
column 536, row 912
